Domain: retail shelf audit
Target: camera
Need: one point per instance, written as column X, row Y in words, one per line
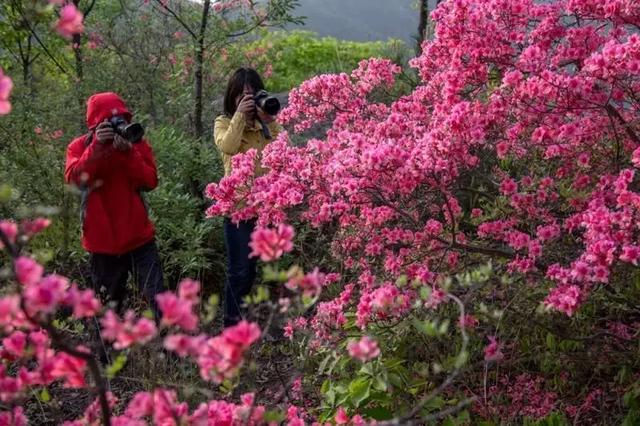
column 267, row 103
column 132, row 132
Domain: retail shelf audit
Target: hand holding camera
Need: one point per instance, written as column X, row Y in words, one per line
column 104, row 132
column 118, row 131
column 247, row 106
column 262, row 105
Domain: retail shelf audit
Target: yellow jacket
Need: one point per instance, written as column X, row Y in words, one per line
column 233, row 136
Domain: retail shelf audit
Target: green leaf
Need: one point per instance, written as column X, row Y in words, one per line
column 435, row 404
column 323, row 364
column 334, row 363
column 378, row 413
column 461, row 359
column 117, row 365
column 402, row 281
column 425, row 292
column 330, row 395
column 367, row 368
column 380, row 383
column 551, row 341
column 44, row 395
column 444, row 327
column 274, row 416
column 359, row 391
column 5, row 193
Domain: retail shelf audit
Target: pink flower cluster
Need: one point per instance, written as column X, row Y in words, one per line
column 43, row 295
column 493, row 351
column 525, row 397
column 28, row 350
column 309, row 284
column 218, row 357
column 6, row 85
column 389, row 176
column 178, row 310
column 161, row 407
column 271, row 244
column 37, row 364
column 364, row 349
column 127, row 332
column 220, row 6
column 70, row 21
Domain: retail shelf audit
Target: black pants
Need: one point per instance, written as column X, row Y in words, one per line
column 241, row 270
column 109, row 274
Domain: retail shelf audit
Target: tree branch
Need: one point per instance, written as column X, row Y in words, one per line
column 177, row 18
column 59, row 341
column 614, row 112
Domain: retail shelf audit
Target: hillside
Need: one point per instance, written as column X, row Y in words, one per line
column 361, row 20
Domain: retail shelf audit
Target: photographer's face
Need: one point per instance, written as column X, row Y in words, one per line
column 248, row 90
column 120, row 117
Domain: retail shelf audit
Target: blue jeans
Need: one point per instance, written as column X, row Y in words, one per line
column 109, row 274
column 241, row 270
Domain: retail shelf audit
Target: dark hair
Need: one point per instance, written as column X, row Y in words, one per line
column 240, row 78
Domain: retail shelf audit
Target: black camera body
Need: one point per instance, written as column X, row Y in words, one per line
column 132, row 132
column 266, row 102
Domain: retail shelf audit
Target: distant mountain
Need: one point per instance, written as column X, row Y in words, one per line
column 361, row 20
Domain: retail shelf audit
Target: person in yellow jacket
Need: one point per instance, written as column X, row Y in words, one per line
column 238, row 130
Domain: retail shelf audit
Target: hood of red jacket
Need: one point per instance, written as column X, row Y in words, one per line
column 103, row 106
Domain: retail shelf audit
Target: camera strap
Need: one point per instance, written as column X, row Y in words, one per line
column 265, row 130
column 87, row 139
column 84, row 188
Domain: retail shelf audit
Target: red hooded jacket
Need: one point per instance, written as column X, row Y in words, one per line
column 114, row 216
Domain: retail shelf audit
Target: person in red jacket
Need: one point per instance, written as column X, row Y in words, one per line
column 112, row 173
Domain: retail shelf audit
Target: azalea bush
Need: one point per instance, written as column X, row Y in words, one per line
column 518, row 150
column 37, row 352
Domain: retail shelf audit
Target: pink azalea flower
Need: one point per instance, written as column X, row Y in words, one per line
column 564, row 298
column 28, row 271
column 128, row 332
column 271, row 244
column 436, row 297
column 83, row 302
column 468, row 321
column 188, row 289
column 176, row 311
column 45, row 295
column 10, row 230
column 141, row 405
column 70, row 21
column 15, row 344
column 242, row 334
column 71, row 369
column 364, row 349
column 6, row 85
column 341, row 417
column 493, row 351
column 35, row 226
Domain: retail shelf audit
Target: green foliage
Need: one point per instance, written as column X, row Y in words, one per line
column 118, row 364
column 553, row 419
column 190, row 245
column 631, row 401
column 299, row 55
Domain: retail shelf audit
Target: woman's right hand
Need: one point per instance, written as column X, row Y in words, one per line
column 247, row 106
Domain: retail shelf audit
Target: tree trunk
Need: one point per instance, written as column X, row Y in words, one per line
column 79, row 70
column 197, row 113
column 422, row 24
